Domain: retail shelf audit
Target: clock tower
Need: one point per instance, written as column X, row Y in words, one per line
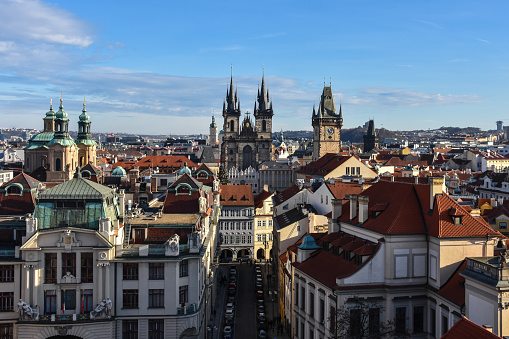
column 326, row 126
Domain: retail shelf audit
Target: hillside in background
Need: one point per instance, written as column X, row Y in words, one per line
column 352, row 135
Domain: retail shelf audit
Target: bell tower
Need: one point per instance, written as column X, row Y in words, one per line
column 86, row 145
column 327, row 125
column 263, row 114
column 231, row 128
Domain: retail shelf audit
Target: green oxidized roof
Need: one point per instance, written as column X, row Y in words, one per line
column 40, row 139
column 61, row 114
column 68, row 141
column 84, row 117
column 86, row 142
column 118, row 172
column 76, row 203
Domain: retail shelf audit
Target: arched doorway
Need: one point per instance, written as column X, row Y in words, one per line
column 226, row 254
column 246, row 156
column 243, row 254
column 260, row 254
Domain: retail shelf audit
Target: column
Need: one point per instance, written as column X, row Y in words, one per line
column 78, row 267
column 59, row 267
column 99, row 283
column 78, row 300
column 107, row 291
column 59, row 301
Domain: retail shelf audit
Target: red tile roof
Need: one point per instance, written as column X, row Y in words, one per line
column 164, row 161
column 454, row 288
column 341, row 189
column 408, row 212
column 236, row 195
column 324, row 165
column 286, row 194
column 465, row 329
column 260, row 198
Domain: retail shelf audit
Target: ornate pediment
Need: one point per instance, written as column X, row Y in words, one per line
column 68, row 240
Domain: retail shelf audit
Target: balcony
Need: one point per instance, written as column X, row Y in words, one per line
column 187, row 309
column 488, row 266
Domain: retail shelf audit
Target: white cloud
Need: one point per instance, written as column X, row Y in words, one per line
column 34, row 21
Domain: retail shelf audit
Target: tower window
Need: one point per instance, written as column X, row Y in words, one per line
column 264, row 125
column 232, row 125
column 58, row 164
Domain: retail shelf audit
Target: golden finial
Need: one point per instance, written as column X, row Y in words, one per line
column 61, row 96
column 51, row 102
column 84, row 101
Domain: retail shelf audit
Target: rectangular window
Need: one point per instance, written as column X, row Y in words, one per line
column 243, row 239
column 311, row 304
column 322, row 311
column 6, row 301
column 155, row 271
column 433, row 267
column 130, row 329
column 297, row 294
column 374, row 321
column 130, row 271
column 6, row 273
column 332, row 317
column 87, row 267
column 418, row 319
column 156, row 298
column 401, row 266
column 139, row 234
column 348, row 171
column 249, row 239
column 355, row 322
column 502, row 225
column 183, row 297
column 264, row 223
column 87, row 301
column 358, row 171
column 445, row 324
column 68, row 298
column 432, row 322
column 259, row 237
column 156, row 328
column 50, row 268
column 303, row 298
column 184, row 268
column 130, row 299
column 270, row 222
column 50, row 302
column 6, row 331
column 69, row 263
column 400, row 320
column 249, row 225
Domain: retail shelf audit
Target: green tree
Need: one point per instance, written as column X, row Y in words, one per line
column 223, row 176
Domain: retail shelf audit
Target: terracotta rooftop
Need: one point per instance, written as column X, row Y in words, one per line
column 260, row 198
column 286, row 194
column 454, row 288
column 465, row 329
column 324, row 165
column 236, row 195
column 341, row 189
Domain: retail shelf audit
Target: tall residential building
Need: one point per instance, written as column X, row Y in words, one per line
column 327, row 125
column 250, row 142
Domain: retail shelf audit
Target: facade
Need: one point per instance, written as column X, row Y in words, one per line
column 263, row 225
column 276, row 176
column 247, row 143
column 392, row 257
column 327, row 124
column 89, row 272
column 213, row 133
column 55, row 152
column 236, row 231
column 248, row 176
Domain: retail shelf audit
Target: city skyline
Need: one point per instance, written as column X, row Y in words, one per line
column 407, row 65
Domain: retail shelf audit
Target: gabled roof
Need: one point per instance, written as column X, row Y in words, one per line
column 24, row 180
column 236, row 195
column 464, row 329
column 290, row 217
column 259, row 198
column 341, row 189
column 286, row 194
column 408, row 212
column 323, row 166
column 163, row 161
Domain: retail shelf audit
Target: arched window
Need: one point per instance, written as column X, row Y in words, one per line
column 58, row 164
column 14, row 190
column 82, row 161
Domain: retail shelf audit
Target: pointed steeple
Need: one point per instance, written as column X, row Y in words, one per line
column 341, row 114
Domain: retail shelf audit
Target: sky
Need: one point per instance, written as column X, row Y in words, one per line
column 163, row 67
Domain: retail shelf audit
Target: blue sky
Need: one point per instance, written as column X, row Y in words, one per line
column 162, row 67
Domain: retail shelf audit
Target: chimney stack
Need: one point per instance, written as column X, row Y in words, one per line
column 353, row 206
column 363, row 208
column 337, row 211
column 436, row 187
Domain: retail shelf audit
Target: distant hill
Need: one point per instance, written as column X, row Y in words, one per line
column 461, row 130
column 352, row 135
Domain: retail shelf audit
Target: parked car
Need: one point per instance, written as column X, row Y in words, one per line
column 261, row 317
column 261, row 308
column 261, row 325
column 228, row 314
column 259, row 285
column 229, row 306
column 225, row 260
column 262, row 334
column 227, row 330
column 232, row 291
column 233, row 279
column 233, row 271
column 228, row 322
column 231, row 299
column 232, row 285
column 259, row 302
column 259, row 294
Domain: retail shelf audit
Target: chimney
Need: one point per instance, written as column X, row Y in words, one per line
column 416, row 180
column 392, row 178
column 337, row 211
column 353, row 206
column 436, row 187
column 363, row 208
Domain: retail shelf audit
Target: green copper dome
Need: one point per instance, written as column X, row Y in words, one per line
column 61, row 114
column 213, row 124
column 51, row 113
column 118, row 172
column 308, row 243
column 185, row 169
column 84, row 117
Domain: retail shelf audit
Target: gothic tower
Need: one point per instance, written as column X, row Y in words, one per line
column 231, row 115
column 86, row 145
column 263, row 114
column 326, row 126
column 370, row 138
column 213, row 133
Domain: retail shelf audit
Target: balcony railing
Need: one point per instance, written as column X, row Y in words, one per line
column 187, row 309
column 490, row 267
column 64, row 317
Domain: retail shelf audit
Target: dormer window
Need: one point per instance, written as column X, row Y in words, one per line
column 457, row 219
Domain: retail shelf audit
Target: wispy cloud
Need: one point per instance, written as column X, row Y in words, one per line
column 483, row 41
column 430, row 23
column 270, row 35
column 382, row 96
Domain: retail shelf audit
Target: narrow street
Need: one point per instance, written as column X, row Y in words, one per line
column 245, row 322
